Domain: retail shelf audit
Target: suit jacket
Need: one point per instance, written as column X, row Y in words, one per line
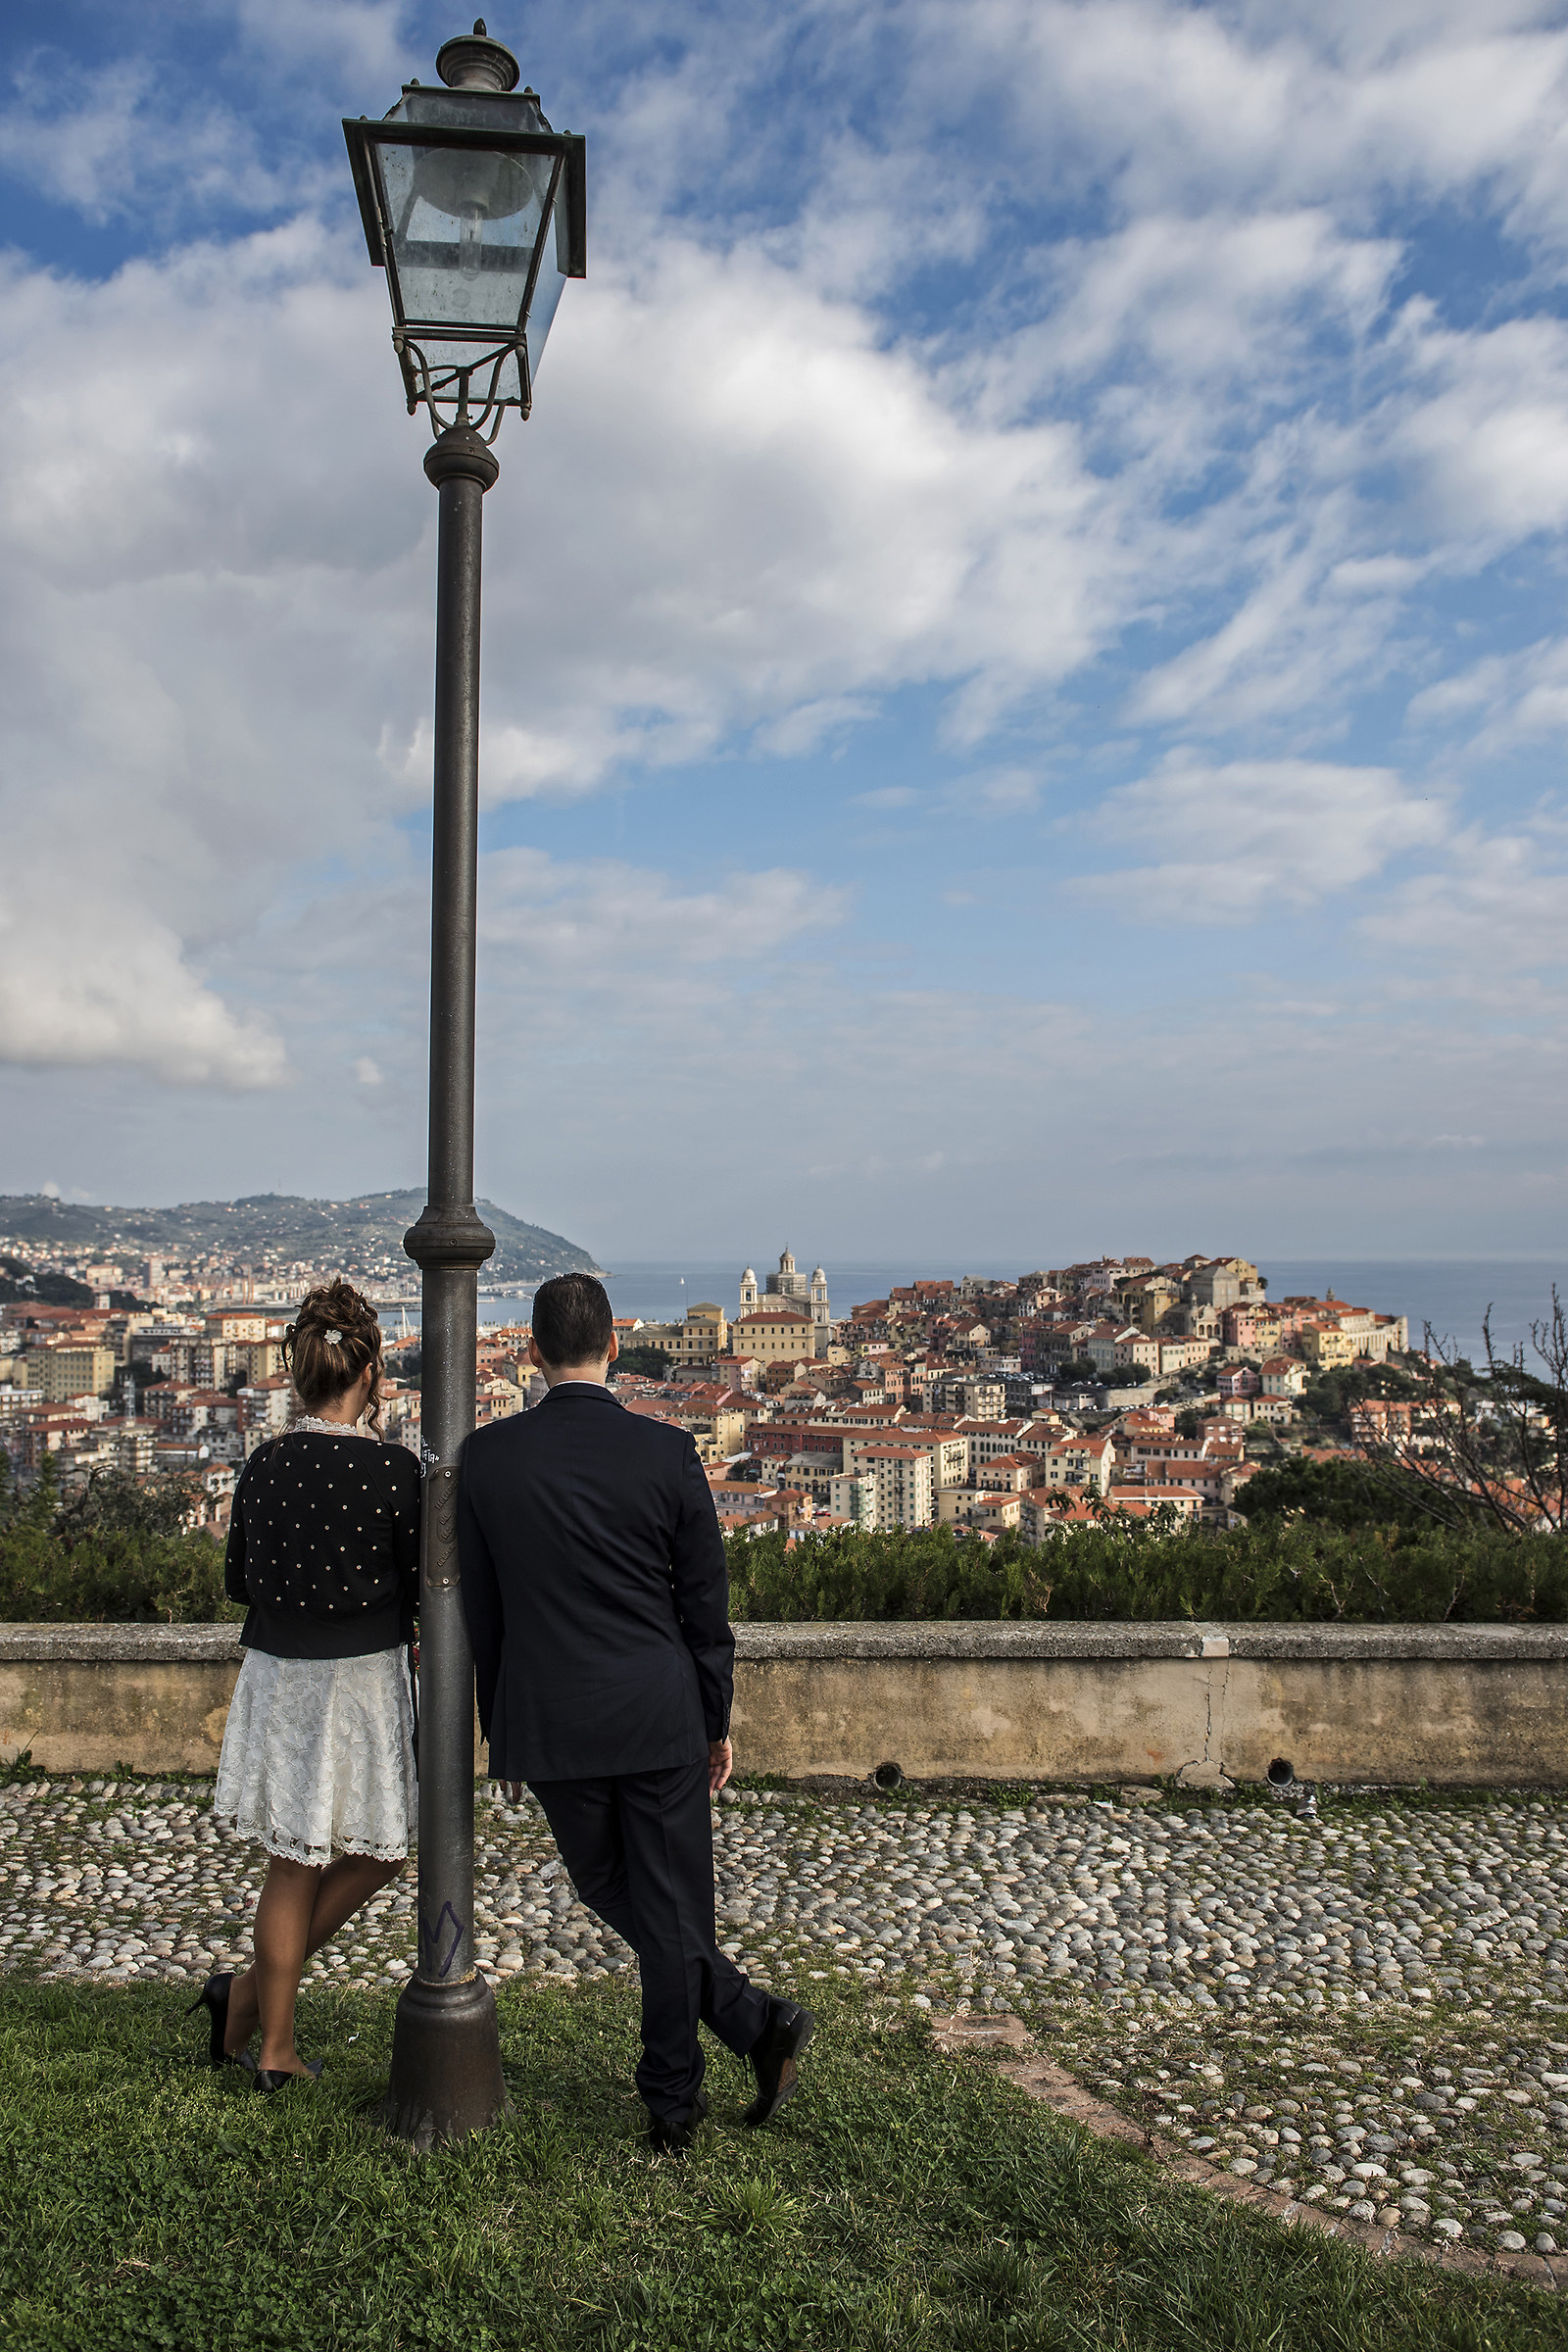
column 595, row 1590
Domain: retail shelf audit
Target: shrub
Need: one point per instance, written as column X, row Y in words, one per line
column 119, row 1552
column 646, row 1363
column 1343, row 1493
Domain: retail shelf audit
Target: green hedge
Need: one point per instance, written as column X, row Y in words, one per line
column 1273, row 1571
column 120, row 1553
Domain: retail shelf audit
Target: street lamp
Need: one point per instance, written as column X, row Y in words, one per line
column 476, row 210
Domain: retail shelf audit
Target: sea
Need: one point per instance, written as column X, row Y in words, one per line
column 1452, row 1295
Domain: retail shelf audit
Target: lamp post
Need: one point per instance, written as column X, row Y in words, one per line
column 476, row 210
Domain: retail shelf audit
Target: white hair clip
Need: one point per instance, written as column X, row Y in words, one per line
column 334, row 1338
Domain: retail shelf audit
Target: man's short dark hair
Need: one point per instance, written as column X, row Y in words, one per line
column 572, row 1321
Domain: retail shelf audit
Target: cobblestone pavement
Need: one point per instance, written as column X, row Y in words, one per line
column 1368, row 2009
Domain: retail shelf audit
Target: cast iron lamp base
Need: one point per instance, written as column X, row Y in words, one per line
column 446, row 2064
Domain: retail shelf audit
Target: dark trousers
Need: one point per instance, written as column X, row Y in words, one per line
column 639, row 1846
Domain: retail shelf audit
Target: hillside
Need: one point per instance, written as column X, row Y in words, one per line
column 363, row 1237
column 19, row 1286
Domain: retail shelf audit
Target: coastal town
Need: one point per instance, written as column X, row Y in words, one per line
column 1117, row 1385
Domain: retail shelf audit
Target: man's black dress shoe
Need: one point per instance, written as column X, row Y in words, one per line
column 673, row 2135
column 773, row 2055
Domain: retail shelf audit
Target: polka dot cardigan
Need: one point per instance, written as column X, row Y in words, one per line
column 324, row 1546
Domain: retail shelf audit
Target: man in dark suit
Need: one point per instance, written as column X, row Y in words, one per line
column 598, row 1601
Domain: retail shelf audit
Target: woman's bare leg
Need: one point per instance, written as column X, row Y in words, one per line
column 300, row 1907
column 350, row 1880
column 273, row 1981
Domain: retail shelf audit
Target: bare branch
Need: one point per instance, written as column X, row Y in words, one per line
column 1489, row 1445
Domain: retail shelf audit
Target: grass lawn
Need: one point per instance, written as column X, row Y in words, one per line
column 903, row 2200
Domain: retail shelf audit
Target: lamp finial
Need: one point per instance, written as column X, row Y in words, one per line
column 473, row 61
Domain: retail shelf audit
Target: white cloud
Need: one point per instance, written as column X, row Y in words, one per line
column 605, row 924
column 1237, row 838
column 1483, row 430
column 109, row 985
column 995, row 792
column 1211, row 300
column 143, row 139
column 1268, row 102
column 890, row 796
column 810, row 725
column 1508, row 698
column 1495, row 915
column 735, row 511
column 758, row 514
column 195, row 636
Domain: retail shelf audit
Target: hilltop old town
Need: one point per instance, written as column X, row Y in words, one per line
column 1031, row 1405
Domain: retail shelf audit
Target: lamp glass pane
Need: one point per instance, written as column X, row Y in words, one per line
column 463, row 224
column 552, row 277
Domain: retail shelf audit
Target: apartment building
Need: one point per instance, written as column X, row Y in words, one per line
column 1140, row 1500
column 1183, row 1351
column 948, row 1450
column 977, row 1397
column 811, row 1474
column 1326, row 1347
column 1104, row 1339
column 772, row 1335
column 701, row 1339
column 238, row 1323
column 66, row 1370
column 996, row 1514
column 1146, row 1451
column 1251, row 1328
column 1081, row 1461
column 266, row 1406
column 1376, row 1420
column 901, row 1486
column 1004, row 1475
column 990, row 1437
column 854, row 1499
column 1213, row 1483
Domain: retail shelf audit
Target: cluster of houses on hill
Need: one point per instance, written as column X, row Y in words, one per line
column 152, row 1393
column 1027, row 1406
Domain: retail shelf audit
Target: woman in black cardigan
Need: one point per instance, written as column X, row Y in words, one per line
column 318, row 1762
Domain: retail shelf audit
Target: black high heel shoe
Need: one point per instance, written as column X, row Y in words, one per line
column 214, row 1998
column 275, row 2077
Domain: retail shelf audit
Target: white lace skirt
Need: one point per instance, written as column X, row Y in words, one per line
column 319, row 1757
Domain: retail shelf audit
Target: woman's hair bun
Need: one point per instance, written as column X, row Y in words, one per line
column 335, row 1334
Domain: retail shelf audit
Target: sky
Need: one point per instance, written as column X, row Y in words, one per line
column 1026, row 668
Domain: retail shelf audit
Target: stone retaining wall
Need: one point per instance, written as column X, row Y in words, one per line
column 1471, row 1704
